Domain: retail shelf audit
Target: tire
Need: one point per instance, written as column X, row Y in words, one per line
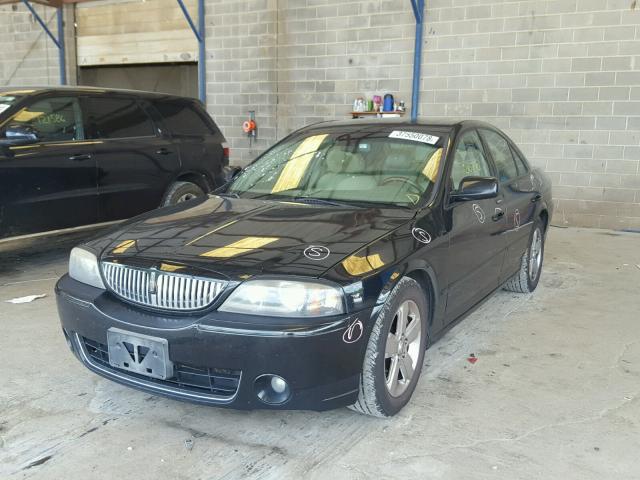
column 527, row 278
column 181, row 192
column 375, row 397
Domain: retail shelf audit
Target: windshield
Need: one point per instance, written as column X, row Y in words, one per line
column 395, row 167
column 7, row 100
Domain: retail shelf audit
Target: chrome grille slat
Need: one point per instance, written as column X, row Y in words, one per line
column 173, row 291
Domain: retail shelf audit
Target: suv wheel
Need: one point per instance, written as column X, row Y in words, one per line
column 181, row 192
column 395, row 352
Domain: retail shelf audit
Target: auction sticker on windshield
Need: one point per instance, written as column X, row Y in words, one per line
column 414, row 136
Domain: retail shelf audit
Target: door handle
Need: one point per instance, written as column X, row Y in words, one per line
column 163, row 151
column 80, row 157
column 537, row 197
column 498, row 215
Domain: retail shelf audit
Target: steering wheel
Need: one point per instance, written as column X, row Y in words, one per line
column 403, row 180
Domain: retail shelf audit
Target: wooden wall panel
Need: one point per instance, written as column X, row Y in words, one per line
column 117, row 32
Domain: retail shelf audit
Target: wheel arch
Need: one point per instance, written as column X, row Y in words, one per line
column 200, row 179
column 544, row 216
column 424, row 279
column 423, row 273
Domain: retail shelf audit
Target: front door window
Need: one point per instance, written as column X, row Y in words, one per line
column 469, row 159
column 55, row 119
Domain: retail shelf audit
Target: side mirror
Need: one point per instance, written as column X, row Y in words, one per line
column 475, row 188
column 231, row 172
column 21, row 134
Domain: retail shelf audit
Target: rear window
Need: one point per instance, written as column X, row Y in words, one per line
column 117, row 118
column 183, row 118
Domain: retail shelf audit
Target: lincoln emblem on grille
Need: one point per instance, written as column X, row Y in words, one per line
column 153, row 286
column 156, row 288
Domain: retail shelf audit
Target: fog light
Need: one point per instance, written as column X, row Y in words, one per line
column 272, row 389
column 278, row 384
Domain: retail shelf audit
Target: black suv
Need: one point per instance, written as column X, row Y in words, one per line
column 79, row 156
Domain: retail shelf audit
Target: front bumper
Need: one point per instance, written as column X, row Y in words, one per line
column 218, row 356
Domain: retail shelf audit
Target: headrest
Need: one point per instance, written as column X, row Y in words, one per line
column 356, row 163
column 339, row 161
column 336, row 160
column 398, row 162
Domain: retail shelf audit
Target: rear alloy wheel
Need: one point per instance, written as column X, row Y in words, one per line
column 527, row 278
column 180, row 192
column 395, row 352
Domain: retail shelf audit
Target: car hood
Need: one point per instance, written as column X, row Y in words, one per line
column 240, row 238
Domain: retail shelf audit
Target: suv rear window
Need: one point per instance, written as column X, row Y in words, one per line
column 183, row 118
column 117, row 118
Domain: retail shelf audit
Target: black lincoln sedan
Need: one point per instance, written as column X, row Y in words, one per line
column 316, row 278
column 77, row 156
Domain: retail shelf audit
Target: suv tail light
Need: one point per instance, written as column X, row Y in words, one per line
column 226, row 152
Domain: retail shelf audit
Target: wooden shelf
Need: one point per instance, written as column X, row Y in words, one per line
column 383, row 114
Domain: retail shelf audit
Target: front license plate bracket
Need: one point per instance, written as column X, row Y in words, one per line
column 138, row 353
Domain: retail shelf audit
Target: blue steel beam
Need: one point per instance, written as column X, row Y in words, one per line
column 59, row 42
column 62, row 51
column 41, row 22
column 418, row 12
column 202, row 56
column 200, row 34
column 189, row 20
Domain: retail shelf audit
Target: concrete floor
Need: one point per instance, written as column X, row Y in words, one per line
column 554, row 393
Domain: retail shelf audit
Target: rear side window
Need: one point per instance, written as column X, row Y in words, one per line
column 183, row 118
column 501, row 153
column 521, row 164
column 117, row 118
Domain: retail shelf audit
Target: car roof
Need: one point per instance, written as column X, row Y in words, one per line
column 439, row 123
column 35, row 90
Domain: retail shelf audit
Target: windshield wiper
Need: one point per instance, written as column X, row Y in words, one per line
column 318, row 201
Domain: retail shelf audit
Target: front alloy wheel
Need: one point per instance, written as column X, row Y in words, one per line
column 403, row 348
column 395, row 351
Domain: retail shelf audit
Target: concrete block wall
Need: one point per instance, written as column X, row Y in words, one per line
column 297, row 62
column 241, row 71
column 562, row 77
column 28, row 56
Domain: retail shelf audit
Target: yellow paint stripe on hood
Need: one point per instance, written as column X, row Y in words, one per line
column 240, row 247
column 355, row 265
column 217, row 229
column 123, row 246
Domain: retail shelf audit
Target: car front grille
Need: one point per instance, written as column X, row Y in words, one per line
column 161, row 290
column 219, row 382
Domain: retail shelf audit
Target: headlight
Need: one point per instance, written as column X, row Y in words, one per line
column 275, row 298
column 83, row 267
